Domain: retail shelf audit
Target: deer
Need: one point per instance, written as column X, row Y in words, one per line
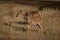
column 33, row 18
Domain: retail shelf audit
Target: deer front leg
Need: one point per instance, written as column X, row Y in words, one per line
column 29, row 28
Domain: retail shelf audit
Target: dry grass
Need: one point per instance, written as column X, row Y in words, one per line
column 50, row 23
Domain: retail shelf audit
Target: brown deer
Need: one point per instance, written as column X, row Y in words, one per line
column 34, row 18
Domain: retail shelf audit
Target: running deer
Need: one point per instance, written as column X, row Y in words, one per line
column 34, row 18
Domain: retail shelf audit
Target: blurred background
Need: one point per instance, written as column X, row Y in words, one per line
column 50, row 16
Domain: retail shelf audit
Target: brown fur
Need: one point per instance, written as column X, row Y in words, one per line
column 34, row 18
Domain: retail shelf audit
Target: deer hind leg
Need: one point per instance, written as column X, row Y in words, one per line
column 40, row 26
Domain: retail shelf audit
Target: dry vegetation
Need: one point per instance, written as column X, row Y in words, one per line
column 50, row 22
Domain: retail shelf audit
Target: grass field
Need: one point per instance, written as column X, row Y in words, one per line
column 50, row 23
